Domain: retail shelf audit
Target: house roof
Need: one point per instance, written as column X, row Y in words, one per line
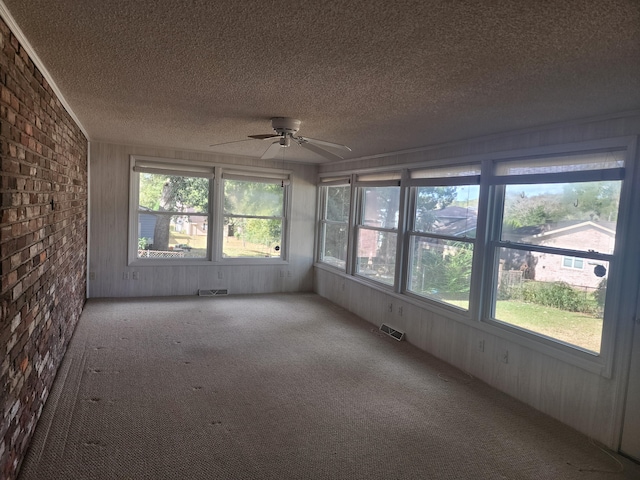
column 537, row 233
column 376, row 75
column 566, row 228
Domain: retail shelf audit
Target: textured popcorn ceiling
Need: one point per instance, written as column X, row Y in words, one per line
column 379, row 76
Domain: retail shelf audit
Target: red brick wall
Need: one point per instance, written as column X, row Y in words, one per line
column 43, row 243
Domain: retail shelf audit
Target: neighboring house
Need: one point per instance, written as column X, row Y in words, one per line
column 455, row 221
column 146, row 225
column 188, row 225
column 578, row 272
column 194, row 226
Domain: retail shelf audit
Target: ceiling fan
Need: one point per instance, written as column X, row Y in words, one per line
column 285, row 129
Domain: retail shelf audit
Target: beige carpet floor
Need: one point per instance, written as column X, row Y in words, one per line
column 282, row 387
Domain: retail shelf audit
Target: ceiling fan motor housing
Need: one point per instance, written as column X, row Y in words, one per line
column 285, row 125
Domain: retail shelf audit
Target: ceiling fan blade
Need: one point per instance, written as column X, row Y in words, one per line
column 264, row 136
column 320, row 151
column 227, row 143
column 272, row 151
column 323, row 143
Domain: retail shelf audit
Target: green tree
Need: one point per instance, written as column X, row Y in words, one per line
column 428, row 201
column 171, row 193
column 381, row 209
column 458, row 268
column 441, row 271
column 594, row 200
column 337, row 210
column 254, row 199
column 338, row 203
column 525, row 211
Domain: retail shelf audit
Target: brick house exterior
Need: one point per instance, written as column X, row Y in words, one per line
column 577, row 272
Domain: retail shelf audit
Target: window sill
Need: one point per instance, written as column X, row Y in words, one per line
column 197, row 262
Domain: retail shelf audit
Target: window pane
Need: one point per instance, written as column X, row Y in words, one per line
column 173, row 193
column 337, row 208
column 335, row 245
column 172, row 236
column 377, row 255
column 380, row 206
column 441, row 269
column 535, row 292
column 447, row 210
column 578, row 216
column 253, row 198
column 565, row 163
column 252, row 237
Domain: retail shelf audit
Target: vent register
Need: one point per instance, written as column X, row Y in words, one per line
column 212, row 293
column 392, row 332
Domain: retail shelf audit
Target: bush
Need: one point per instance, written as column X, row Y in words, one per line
column 143, row 243
column 601, row 293
column 559, row 295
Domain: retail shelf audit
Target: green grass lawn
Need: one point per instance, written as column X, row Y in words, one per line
column 571, row 327
column 233, row 247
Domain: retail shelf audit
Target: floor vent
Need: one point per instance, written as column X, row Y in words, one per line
column 392, row 332
column 212, row 293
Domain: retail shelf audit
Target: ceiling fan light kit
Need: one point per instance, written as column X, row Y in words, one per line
column 285, row 125
column 286, row 128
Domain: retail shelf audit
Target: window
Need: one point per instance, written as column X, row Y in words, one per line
column 172, row 212
column 528, row 250
column 334, row 224
column 555, row 244
column 253, row 217
column 181, row 213
column 573, row 262
column 377, row 231
column 442, row 234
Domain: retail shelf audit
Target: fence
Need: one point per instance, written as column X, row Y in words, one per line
column 509, row 281
column 160, row 254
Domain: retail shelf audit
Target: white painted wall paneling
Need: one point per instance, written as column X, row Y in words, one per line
column 109, row 226
column 590, row 402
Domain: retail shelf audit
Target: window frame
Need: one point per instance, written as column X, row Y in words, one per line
column 436, row 181
column 489, row 217
column 601, row 362
column 382, row 180
column 227, row 174
column 215, row 172
column 323, row 222
column 573, row 262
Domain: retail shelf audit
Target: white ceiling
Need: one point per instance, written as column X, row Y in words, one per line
column 379, row 76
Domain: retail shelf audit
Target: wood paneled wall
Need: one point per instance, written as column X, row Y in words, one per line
column 109, row 221
column 590, row 402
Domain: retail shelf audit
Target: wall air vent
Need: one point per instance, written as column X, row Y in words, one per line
column 392, row 332
column 212, row 293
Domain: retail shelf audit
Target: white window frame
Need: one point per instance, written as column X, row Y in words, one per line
column 489, row 215
column 436, row 181
column 573, row 262
column 323, row 222
column 216, row 172
column 600, row 363
column 250, row 176
column 387, row 179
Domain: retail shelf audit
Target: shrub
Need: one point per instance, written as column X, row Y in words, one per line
column 601, row 293
column 557, row 294
column 143, row 243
